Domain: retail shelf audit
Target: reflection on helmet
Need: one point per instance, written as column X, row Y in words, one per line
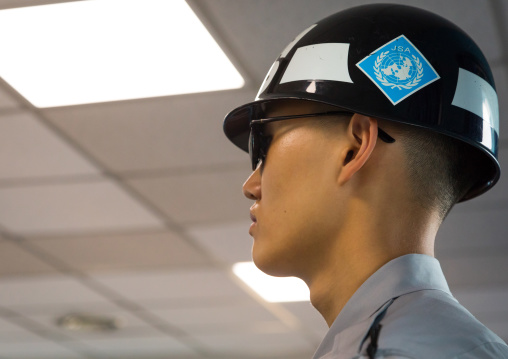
column 393, row 62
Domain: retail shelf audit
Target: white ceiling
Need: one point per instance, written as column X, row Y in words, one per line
column 134, row 209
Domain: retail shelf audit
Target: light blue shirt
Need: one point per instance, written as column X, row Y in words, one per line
column 424, row 321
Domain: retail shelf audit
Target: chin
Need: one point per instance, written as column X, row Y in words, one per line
column 272, row 263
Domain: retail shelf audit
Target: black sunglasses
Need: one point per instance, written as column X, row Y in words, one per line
column 259, row 143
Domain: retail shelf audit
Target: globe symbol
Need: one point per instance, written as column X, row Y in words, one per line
column 398, row 68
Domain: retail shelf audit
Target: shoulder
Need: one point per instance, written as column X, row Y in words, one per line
column 432, row 324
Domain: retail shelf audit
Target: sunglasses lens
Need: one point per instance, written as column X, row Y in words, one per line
column 254, row 148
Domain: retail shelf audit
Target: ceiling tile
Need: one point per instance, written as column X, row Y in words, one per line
column 142, row 347
column 476, row 270
column 31, row 149
column 229, row 242
column 6, row 100
column 127, row 332
column 49, row 309
column 10, row 332
column 37, row 350
column 194, row 198
column 130, row 325
column 502, row 7
column 291, row 345
column 309, row 317
column 149, row 287
column 483, row 299
column 226, row 317
column 168, row 132
column 55, row 290
column 16, row 261
column 122, row 251
column 66, row 208
column 470, row 232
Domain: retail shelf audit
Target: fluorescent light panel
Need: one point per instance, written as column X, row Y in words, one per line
column 106, row 50
column 272, row 289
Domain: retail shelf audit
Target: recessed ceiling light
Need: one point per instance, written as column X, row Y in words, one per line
column 272, row 289
column 89, row 323
column 106, row 50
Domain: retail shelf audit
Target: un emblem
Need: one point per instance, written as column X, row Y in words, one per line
column 398, row 69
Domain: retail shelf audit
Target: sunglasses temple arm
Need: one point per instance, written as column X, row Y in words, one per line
column 384, row 136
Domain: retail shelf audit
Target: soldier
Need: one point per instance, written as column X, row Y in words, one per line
column 367, row 130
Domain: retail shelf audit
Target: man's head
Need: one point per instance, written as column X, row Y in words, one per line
column 406, row 71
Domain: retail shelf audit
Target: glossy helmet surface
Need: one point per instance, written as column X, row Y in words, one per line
column 392, row 62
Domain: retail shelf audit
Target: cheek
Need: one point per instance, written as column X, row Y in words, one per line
column 298, row 190
column 299, row 173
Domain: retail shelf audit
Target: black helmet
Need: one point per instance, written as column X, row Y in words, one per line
column 393, row 62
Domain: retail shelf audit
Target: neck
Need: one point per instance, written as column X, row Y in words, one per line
column 361, row 248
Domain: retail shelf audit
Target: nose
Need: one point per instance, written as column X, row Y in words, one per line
column 252, row 186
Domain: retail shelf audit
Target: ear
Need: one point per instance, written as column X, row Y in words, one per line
column 361, row 137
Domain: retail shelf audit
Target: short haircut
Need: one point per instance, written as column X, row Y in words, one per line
column 441, row 169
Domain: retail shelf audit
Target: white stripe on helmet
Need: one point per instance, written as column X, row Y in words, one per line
column 476, row 95
column 319, row 62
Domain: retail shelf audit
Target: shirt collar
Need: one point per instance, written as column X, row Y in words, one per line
column 402, row 275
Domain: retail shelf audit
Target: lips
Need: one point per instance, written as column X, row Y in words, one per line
column 253, row 224
column 253, row 217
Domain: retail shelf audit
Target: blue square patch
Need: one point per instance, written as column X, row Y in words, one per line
column 398, row 69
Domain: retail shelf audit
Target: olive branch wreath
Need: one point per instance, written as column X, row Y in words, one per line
column 406, row 86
